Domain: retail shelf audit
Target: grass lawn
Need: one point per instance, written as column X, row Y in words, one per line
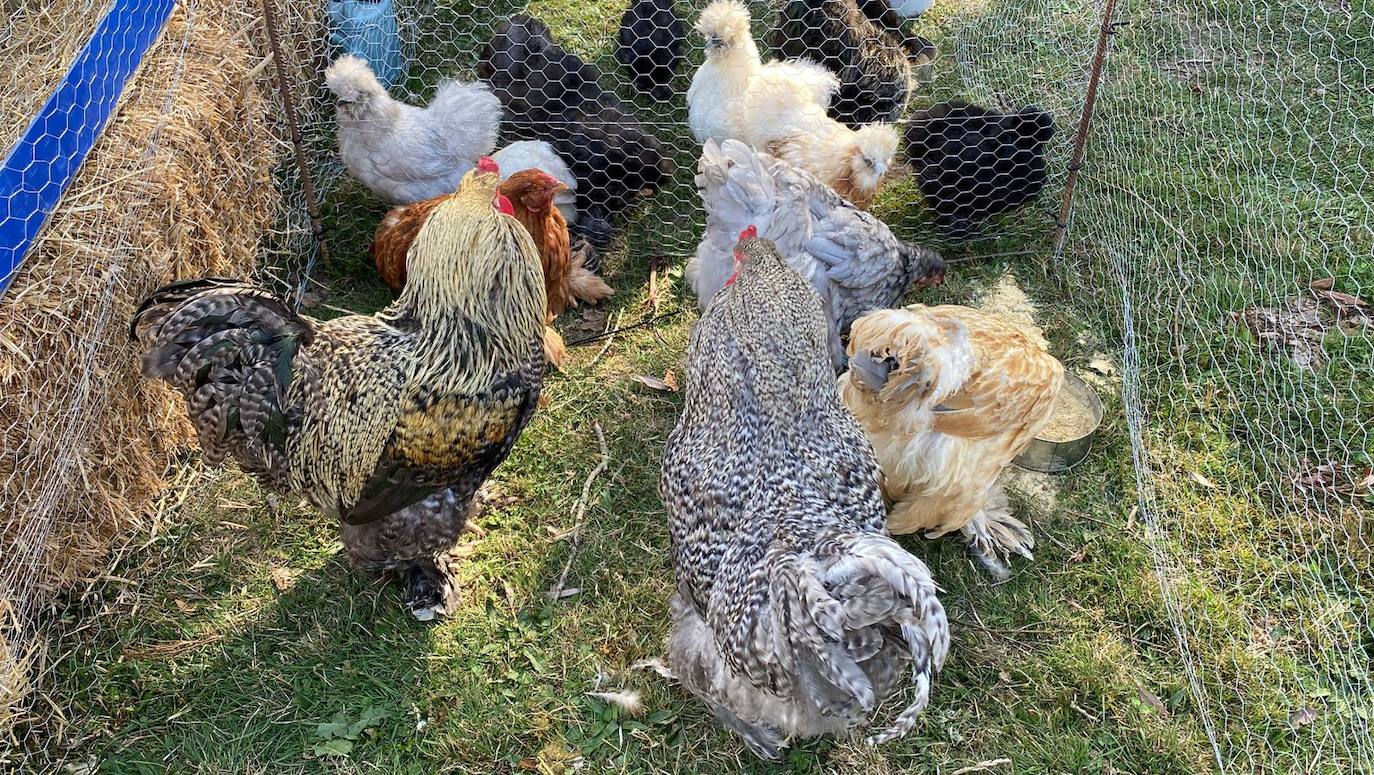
column 1186, row 591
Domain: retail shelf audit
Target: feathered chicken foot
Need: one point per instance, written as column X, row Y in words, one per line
column 433, row 590
column 994, row 535
column 766, row 743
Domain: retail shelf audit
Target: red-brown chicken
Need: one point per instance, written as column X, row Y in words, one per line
column 567, row 280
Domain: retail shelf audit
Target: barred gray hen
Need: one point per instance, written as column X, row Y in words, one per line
column 852, row 259
column 390, row 422
column 795, row 613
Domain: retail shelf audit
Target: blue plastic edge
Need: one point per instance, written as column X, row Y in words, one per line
column 42, row 164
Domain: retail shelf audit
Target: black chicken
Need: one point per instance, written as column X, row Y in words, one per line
column 650, row 44
column 870, row 60
column 549, row 94
column 972, row 162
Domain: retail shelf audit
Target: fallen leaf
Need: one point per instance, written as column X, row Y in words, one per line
column 284, row 578
column 654, row 382
column 528, row 764
column 335, row 747
column 670, row 379
column 1323, row 284
column 1302, row 717
column 1296, row 326
column 1343, row 302
column 1150, row 698
column 593, row 320
column 1102, row 366
column 1204, row 481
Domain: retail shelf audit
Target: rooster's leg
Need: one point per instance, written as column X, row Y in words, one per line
column 433, row 591
column 994, row 535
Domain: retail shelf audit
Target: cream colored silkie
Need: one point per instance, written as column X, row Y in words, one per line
column 949, row 396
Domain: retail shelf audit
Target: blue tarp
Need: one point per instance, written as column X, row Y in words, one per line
column 42, row 164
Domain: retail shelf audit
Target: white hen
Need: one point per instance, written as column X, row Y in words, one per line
column 852, row 259
column 734, row 76
column 403, row 153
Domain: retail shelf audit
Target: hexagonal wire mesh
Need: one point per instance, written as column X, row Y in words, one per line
column 1228, row 170
column 974, row 165
column 1223, row 230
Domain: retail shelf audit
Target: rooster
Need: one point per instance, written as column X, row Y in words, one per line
column 949, row 395
column 389, row 422
column 851, row 258
column 795, row 613
column 532, row 194
column 404, row 153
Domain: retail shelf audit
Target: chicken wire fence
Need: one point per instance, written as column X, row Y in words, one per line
column 1222, row 229
column 1228, row 199
column 971, row 60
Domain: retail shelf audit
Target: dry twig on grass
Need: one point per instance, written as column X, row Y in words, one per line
column 579, row 513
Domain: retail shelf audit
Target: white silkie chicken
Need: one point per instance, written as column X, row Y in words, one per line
column 735, row 76
column 403, row 153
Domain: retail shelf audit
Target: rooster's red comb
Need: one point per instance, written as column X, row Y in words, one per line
column 752, row 232
column 488, row 164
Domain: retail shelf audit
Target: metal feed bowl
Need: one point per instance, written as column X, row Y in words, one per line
column 1054, row 456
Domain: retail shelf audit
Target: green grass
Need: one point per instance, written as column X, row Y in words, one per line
column 225, row 641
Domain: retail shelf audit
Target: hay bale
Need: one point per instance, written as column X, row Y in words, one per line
column 181, row 184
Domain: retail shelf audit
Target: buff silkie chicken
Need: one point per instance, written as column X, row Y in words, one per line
column 852, row 259
column 949, row 396
column 734, row 77
column 795, row 613
column 404, row 153
column 389, row 422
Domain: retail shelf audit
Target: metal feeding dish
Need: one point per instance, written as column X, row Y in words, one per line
column 1068, row 436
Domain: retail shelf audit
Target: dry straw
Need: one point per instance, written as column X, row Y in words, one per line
column 181, row 184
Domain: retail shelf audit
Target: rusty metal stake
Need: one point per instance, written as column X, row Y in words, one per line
column 288, row 100
column 1080, row 140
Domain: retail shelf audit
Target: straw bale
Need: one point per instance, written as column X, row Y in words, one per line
column 181, row 184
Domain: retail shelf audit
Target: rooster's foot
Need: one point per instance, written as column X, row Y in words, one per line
column 994, row 535
column 433, row 592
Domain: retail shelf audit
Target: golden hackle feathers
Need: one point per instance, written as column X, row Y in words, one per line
column 472, row 262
